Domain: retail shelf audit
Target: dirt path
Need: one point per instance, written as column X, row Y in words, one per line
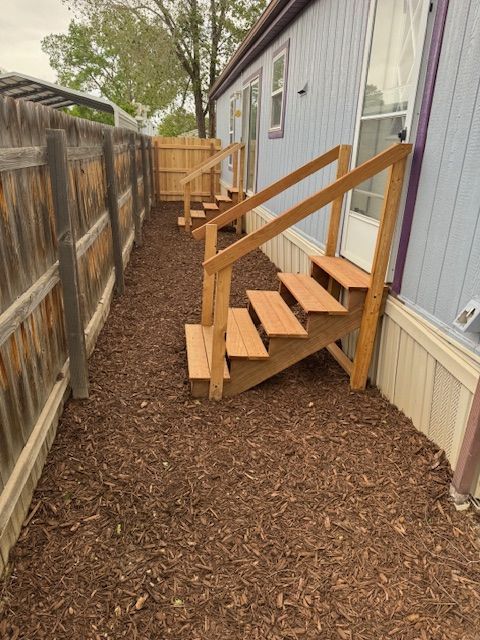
column 296, row 510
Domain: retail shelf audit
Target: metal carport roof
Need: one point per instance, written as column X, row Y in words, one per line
column 23, row 87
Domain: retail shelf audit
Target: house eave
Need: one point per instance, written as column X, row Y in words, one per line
column 276, row 17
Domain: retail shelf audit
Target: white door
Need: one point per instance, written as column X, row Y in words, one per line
column 251, row 112
column 394, row 47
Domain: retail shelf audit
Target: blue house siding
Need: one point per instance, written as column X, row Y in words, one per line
column 442, row 270
column 326, row 51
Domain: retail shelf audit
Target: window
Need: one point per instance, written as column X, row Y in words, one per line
column 231, row 128
column 278, row 93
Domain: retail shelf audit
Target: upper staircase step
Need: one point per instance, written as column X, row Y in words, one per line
column 210, row 206
column 275, row 315
column 243, row 340
column 342, row 271
column 310, row 295
column 199, row 352
column 232, row 189
column 222, row 198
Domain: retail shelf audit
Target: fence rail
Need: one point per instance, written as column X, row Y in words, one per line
column 174, row 158
column 73, row 197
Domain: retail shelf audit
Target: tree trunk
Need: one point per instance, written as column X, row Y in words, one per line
column 199, row 112
column 212, row 119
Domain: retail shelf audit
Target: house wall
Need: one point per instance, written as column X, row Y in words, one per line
column 423, row 365
column 326, row 51
column 442, row 271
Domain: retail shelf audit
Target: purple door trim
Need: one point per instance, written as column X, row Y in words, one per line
column 420, row 140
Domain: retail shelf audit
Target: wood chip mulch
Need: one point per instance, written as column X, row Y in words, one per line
column 297, row 510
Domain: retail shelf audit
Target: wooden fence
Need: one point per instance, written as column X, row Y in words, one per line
column 175, row 157
column 73, row 196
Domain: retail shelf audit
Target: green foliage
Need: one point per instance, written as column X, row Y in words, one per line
column 202, row 33
column 177, row 122
column 80, row 111
column 120, row 55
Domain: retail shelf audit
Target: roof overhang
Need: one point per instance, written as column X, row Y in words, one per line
column 276, row 17
column 23, row 87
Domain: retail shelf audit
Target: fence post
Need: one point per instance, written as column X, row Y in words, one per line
column 67, row 260
column 152, row 176
column 134, row 178
column 146, row 180
column 112, row 198
column 153, row 180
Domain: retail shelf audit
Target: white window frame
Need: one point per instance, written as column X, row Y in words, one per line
column 232, row 103
column 280, row 53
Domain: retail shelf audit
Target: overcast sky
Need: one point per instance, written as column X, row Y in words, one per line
column 23, row 24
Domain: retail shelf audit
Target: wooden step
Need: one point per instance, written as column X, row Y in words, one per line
column 210, row 206
column 198, row 218
column 232, row 189
column 199, row 352
column 275, row 315
column 310, row 295
column 342, row 271
column 243, row 340
column 222, row 198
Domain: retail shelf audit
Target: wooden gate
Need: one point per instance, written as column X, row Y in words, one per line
column 174, row 158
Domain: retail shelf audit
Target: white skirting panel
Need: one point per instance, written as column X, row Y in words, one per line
column 417, row 368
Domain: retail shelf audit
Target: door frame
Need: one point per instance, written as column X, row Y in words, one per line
column 246, row 84
column 409, row 119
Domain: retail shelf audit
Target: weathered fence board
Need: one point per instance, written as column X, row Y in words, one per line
column 174, row 158
column 34, row 366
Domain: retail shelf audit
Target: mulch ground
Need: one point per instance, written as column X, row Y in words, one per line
column 296, row 510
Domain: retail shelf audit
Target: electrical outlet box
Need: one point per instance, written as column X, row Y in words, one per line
column 468, row 320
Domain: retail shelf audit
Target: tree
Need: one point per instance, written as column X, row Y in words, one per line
column 203, row 33
column 120, row 55
column 177, row 122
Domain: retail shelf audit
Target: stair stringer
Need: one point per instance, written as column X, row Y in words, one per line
column 284, row 352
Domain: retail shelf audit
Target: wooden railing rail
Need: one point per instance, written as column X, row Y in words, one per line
column 210, row 163
column 308, row 206
column 235, row 149
column 240, row 209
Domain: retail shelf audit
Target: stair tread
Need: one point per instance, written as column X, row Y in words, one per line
column 275, row 315
column 233, row 189
column 210, row 206
column 344, row 272
column 243, row 340
column 195, row 214
column 222, row 198
column 199, row 350
column 311, row 296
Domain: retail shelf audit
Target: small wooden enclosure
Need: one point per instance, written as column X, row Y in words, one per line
column 104, row 202
column 175, row 157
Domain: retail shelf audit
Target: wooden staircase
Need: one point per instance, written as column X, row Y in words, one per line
column 249, row 359
column 235, row 349
column 219, row 203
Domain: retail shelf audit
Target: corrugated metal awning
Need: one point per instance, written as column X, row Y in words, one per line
column 23, row 87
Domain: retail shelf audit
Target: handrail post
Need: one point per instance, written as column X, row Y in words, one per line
column 209, row 280
column 235, row 168
column 336, row 210
column 186, row 207
column 212, row 174
column 241, row 172
column 373, row 301
column 222, row 299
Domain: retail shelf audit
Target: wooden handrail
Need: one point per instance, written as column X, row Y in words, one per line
column 272, row 190
column 308, row 206
column 211, row 162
